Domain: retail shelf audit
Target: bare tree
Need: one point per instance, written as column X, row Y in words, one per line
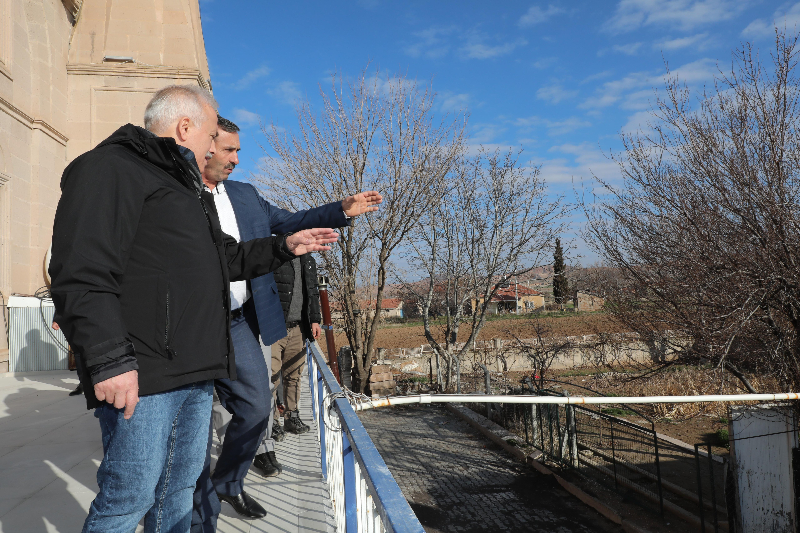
column 495, row 221
column 705, row 229
column 372, row 133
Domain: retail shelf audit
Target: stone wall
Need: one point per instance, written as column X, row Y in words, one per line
column 63, row 90
column 585, row 351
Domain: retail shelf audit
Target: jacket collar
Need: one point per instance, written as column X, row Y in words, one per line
column 162, row 152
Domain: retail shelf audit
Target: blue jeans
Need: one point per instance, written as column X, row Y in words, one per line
column 151, row 462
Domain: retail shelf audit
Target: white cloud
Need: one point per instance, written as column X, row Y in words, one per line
column 598, row 76
column 698, row 41
column 584, row 161
column 638, row 122
column 477, row 49
column 486, row 136
column 635, row 90
column 431, row 43
column 628, row 49
column 252, row 76
column 537, row 15
column 566, row 126
column 683, row 15
column 243, row 117
column 454, row 102
column 557, row 127
column 782, row 18
column 555, row 93
column 287, row 91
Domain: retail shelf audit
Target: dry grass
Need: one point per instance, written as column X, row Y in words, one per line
column 680, row 381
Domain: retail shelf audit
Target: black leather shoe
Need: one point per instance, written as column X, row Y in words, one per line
column 78, row 390
column 267, row 464
column 244, row 505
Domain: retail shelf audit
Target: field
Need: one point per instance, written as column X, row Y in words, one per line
column 503, row 326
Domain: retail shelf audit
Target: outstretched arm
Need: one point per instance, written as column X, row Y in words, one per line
column 257, row 257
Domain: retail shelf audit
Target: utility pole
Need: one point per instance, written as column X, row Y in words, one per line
column 322, row 283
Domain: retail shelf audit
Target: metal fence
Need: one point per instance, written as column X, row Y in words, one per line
column 687, row 481
column 364, row 495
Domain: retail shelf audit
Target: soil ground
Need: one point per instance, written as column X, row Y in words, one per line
column 504, row 327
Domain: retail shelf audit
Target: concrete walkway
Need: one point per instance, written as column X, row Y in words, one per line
column 50, row 449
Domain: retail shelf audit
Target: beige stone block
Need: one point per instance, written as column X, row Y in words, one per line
column 377, row 378
column 150, row 58
column 175, row 5
column 92, row 12
column 123, row 11
column 107, row 113
column 175, row 17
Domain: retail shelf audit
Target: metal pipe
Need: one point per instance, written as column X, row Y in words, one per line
column 322, row 283
column 561, row 400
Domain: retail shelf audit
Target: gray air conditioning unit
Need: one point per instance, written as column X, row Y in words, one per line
column 33, row 344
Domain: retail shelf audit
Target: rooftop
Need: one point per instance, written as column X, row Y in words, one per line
column 51, row 448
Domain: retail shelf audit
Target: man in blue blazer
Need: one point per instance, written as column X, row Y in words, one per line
column 256, row 311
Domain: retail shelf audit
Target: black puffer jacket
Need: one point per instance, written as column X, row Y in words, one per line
column 284, row 278
column 140, row 267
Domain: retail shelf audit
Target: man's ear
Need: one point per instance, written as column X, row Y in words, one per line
column 183, row 128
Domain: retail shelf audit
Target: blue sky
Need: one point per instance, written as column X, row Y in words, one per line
column 559, row 80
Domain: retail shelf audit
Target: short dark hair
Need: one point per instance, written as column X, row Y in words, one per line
column 226, row 125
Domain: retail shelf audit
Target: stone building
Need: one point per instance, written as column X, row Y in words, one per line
column 585, row 301
column 72, row 72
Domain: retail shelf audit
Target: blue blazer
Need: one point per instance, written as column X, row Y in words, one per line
column 258, row 218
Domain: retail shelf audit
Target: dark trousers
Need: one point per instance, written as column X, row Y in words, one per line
column 249, row 401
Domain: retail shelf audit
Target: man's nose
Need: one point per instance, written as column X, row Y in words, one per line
column 213, row 148
column 235, row 159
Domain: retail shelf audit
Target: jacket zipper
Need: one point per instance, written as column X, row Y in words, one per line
column 170, row 351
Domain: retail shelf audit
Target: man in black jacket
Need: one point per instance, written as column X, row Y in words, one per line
column 140, row 272
column 299, row 295
column 297, row 288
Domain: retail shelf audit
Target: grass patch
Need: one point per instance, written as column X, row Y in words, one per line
column 617, row 411
column 722, row 438
column 415, row 379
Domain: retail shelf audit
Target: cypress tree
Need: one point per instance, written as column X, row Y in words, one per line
column 560, row 283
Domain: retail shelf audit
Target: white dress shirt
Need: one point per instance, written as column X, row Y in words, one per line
column 240, row 292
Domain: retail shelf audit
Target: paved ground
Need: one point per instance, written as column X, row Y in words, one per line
column 50, row 449
column 458, row 482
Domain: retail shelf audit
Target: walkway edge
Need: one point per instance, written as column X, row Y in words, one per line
column 502, row 436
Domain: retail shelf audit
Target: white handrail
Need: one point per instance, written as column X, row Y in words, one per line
column 569, row 400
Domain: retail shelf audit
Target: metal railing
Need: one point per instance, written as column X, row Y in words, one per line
column 364, row 495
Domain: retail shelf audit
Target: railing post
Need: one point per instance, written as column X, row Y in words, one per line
column 658, row 470
column 350, row 488
column 613, row 450
column 488, row 382
column 327, row 322
column 700, row 489
column 572, row 426
column 311, row 373
column 713, row 489
column 321, row 406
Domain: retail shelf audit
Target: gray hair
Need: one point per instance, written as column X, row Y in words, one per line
column 174, row 102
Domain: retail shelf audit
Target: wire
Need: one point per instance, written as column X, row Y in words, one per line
column 5, row 317
column 765, row 435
